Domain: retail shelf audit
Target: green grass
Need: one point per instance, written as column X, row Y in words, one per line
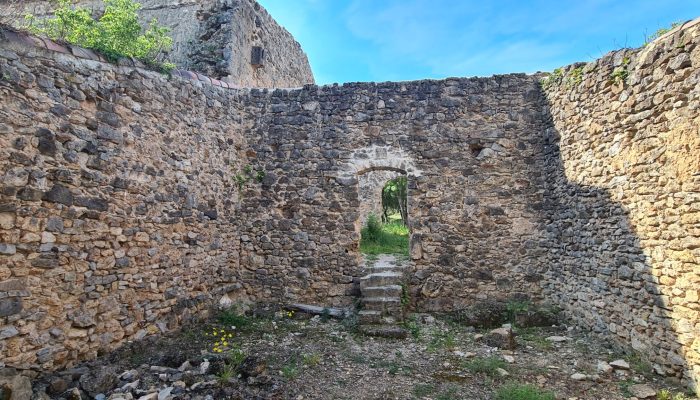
column 423, row 390
column 232, row 317
column 411, row 325
column 389, row 238
column 534, row 337
column 485, row 365
column 517, row 391
column 442, row 339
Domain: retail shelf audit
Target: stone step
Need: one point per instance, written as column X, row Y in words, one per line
column 382, row 291
column 386, row 304
column 380, row 279
column 372, row 317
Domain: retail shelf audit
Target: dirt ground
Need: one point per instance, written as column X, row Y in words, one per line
column 283, row 355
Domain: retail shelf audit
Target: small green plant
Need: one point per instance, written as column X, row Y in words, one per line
column 234, row 359
column 441, row 339
column 259, row 176
column 405, row 295
column 485, row 365
column 411, row 325
column 621, row 73
column 311, row 360
column 518, row 391
column 665, row 394
column 555, row 78
column 116, row 33
column 534, row 337
column 575, row 77
column 450, row 393
column 513, row 308
column 423, row 390
column 232, row 317
column 660, row 32
column 246, row 175
column 625, row 387
column 290, row 370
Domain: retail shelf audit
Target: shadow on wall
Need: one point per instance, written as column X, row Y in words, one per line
column 599, row 273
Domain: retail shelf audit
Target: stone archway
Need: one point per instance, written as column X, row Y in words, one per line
column 376, row 160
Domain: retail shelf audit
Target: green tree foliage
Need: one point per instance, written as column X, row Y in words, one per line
column 116, row 33
column 394, row 198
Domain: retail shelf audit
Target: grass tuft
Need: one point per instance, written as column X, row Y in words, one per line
column 485, row 365
column 518, row 391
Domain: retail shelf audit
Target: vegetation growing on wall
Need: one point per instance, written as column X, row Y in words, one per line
column 116, row 33
column 661, row 31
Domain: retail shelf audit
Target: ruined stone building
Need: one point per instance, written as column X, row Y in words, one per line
column 131, row 201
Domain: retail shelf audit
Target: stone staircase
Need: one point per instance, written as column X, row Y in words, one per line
column 381, row 289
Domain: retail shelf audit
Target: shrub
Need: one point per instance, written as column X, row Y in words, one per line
column 117, row 33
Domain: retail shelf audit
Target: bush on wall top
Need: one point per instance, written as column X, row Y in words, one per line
column 117, row 33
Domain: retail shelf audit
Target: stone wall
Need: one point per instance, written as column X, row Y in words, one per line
column 472, row 152
column 118, row 211
column 624, row 196
column 214, row 37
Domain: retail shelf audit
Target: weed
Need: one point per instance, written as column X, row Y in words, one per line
column 441, row 340
column 515, row 307
column 575, row 77
column 411, row 325
column 485, row 365
column 625, row 387
column 660, row 32
column 405, row 295
column 423, row 390
column 518, row 391
column 357, row 358
column 665, row 394
column 534, row 338
column 449, row 394
column 621, row 73
column 259, row 176
column 234, row 359
column 311, row 360
column 290, row 370
column 555, row 78
column 394, row 368
column 232, row 317
column 637, row 361
column 226, row 374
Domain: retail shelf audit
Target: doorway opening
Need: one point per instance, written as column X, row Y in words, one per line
column 385, row 228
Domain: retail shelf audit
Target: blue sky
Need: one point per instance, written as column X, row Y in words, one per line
column 397, row 40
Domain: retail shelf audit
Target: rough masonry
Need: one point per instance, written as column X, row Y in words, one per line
column 131, row 200
column 624, row 198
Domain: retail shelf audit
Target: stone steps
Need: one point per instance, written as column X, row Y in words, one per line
column 381, row 289
column 380, row 279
